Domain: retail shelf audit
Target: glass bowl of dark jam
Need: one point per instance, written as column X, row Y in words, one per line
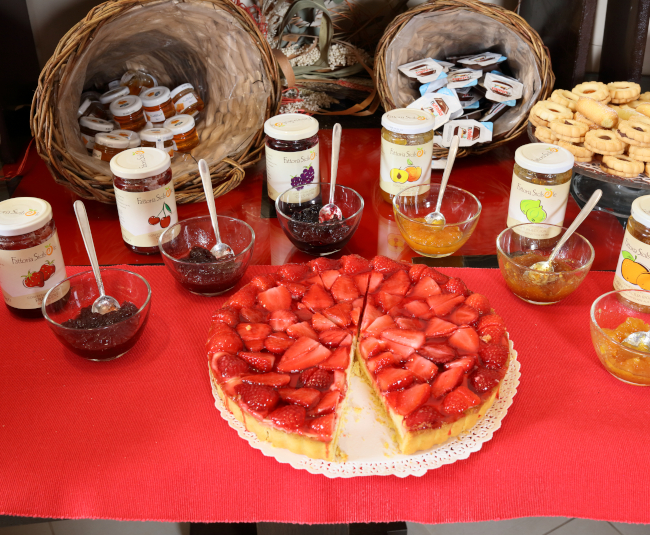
column 96, row 336
column 297, row 210
column 185, row 249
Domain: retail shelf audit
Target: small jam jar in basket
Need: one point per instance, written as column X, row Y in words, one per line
column 158, row 106
column 184, row 129
column 128, row 113
column 186, row 100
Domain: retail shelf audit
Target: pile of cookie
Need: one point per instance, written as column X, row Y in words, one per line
column 597, row 122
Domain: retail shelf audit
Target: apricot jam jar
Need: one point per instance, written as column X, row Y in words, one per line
column 30, row 255
column 108, row 145
column 292, row 154
column 184, row 129
column 90, row 127
column 406, row 151
column 161, row 138
column 137, row 81
column 112, row 95
column 187, row 100
column 540, row 186
column 144, row 193
column 128, row 113
column 158, row 106
column 133, row 137
column 632, row 271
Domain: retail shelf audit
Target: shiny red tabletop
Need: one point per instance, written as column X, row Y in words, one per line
column 487, row 176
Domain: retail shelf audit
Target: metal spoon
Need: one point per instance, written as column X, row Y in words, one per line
column 546, row 265
column 220, row 249
column 330, row 211
column 436, row 218
column 640, row 338
column 104, row 303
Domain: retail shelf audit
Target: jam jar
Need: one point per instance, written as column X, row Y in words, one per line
column 292, row 153
column 187, row 100
column 161, row 138
column 136, row 81
column 91, row 95
column 90, row 127
column 108, row 145
column 133, row 137
column 541, row 179
column 184, row 130
column 406, row 150
column 91, row 108
column 144, row 193
column 157, row 104
column 128, row 113
column 112, row 95
column 30, row 255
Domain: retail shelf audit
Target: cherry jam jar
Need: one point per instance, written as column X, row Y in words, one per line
column 30, row 255
column 144, row 192
column 292, row 157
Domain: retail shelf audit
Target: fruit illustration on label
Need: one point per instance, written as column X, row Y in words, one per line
column 399, row 175
column 413, row 172
column 533, row 210
column 419, row 153
column 168, row 191
column 312, row 154
column 162, row 217
column 48, row 269
column 395, row 240
column 153, row 220
column 33, row 279
column 306, row 177
column 49, row 249
column 30, row 212
column 548, row 193
column 633, row 272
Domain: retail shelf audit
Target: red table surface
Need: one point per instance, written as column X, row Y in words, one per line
column 487, row 176
column 139, row 438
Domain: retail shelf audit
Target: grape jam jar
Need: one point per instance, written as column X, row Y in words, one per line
column 144, row 193
column 292, row 155
column 30, row 255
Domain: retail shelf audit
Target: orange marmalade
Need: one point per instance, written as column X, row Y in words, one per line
column 428, row 240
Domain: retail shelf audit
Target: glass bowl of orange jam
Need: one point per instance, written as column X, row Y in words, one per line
column 460, row 208
column 611, row 320
column 518, row 250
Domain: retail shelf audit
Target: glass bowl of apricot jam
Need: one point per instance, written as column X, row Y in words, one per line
column 96, row 336
column 611, row 320
column 518, row 249
column 460, row 208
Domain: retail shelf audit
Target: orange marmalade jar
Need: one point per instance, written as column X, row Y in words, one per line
column 133, row 137
column 137, row 81
column 144, row 193
column 30, row 255
column 184, row 130
column 90, row 127
column 157, row 104
column 128, row 113
column 112, row 95
column 108, row 145
column 160, row 138
column 186, row 100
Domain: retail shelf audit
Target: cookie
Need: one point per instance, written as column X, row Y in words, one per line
column 537, row 121
column 548, row 110
column 633, row 133
column 624, row 112
column 639, row 118
column 568, row 128
column 641, row 154
column 566, row 98
column 582, row 119
column 604, row 142
column 623, row 91
column 597, row 113
column 634, row 104
column 621, row 166
column 593, row 90
column 545, row 135
column 644, row 109
column 579, row 151
column 645, row 96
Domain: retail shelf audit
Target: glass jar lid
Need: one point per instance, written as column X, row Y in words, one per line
column 126, row 106
column 408, row 121
column 133, row 137
column 142, row 162
column 23, row 214
column 544, row 158
column 98, row 125
column 156, row 134
column 640, row 210
column 113, row 94
column 291, row 127
column 180, row 124
column 180, row 88
column 112, row 140
column 155, row 96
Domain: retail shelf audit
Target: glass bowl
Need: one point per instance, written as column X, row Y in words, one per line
column 460, row 208
column 312, row 237
column 80, row 291
column 516, row 252
column 210, row 278
column 608, row 312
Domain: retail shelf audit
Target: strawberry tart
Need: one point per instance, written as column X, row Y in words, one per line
column 282, row 348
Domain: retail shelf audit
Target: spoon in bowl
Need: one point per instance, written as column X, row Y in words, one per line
column 330, row 211
column 104, row 303
column 436, row 218
column 220, row 249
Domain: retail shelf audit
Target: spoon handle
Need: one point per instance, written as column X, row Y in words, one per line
column 453, row 150
column 209, row 196
column 336, row 147
column 591, row 203
column 84, row 226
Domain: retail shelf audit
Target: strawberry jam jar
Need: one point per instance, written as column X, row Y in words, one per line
column 30, row 255
column 144, row 193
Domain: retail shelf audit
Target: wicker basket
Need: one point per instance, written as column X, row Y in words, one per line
column 214, row 44
column 441, row 28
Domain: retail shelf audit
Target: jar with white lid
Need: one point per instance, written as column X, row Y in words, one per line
column 539, row 193
column 406, row 150
column 128, row 113
column 145, row 198
column 30, row 255
column 133, row 137
column 137, row 81
column 184, row 129
column 160, row 138
column 91, row 108
column 93, row 96
column 292, row 154
column 111, row 95
column 187, row 100
column 90, row 127
column 108, row 145
column 158, row 105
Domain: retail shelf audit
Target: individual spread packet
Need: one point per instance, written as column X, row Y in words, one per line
column 496, row 110
column 463, row 78
column 443, row 105
column 469, row 131
column 430, row 87
column 446, row 65
column 502, row 88
column 469, row 97
column 483, row 61
column 424, row 70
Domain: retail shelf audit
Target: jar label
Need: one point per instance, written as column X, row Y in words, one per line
column 286, row 170
column 535, row 203
column 632, row 269
column 88, row 141
column 185, row 102
column 144, row 215
column 97, row 154
column 157, row 116
column 404, row 166
column 27, row 274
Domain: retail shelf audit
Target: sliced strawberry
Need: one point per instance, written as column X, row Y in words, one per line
column 335, row 338
column 387, row 301
column 494, row 356
column 490, row 319
column 296, row 289
column 254, row 345
column 302, row 312
column 459, row 400
column 260, row 362
column 397, row 284
column 225, row 315
column 253, row 331
column 327, row 404
column 417, row 309
column 278, row 343
column 263, row 282
column 344, row 290
column 426, row 287
column 358, row 302
column 253, row 315
column 369, row 347
column 446, row 382
column 353, row 264
column 379, row 325
column 289, row 416
column 259, row 398
column 268, row 379
column 281, row 320
column 338, row 360
column 324, row 425
column 375, row 281
column 438, row 353
column 225, row 339
column 480, row 303
column 464, row 315
column 386, row 265
column 317, row 299
column 228, row 365
column 466, row 363
column 293, row 272
column 438, row 327
column 273, row 299
column 422, row 368
column 320, row 323
column 387, row 358
column 482, row 380
column 339, row 314
column 390, row 379
column 306, row 397
column 298, row 350
column 404, row 352
column 323, row 264
column 298, row 330
column 455, row 286
column 316, row 378
column 370, row 314
column 426, row 417
column 329, row 277
column 409, row 323
column 406, row 337
column 361, row 282
column 436, row 275
column 465, row 340
column 355, row 315
column 492, row 334
column 412, row 398
column 443, row 304
column 243, row 298
column 340, row 381
column 416, row 271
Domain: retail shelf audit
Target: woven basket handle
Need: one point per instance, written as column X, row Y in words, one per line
column 325, row 33
column 285, row 67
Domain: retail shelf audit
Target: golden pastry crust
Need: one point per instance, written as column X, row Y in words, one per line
column 568, row 128
column 645, row 96
column 621, row 92
column 634, row 104
column 579, row 151
column 644, row 109
column 582, row 119
column 633, row 133
column 621, row 166
column 639, row 118
column 593, row 90
column 641, row 154
column 537, row 121
column 597, row 112
column 604, row 142
column 548, row 110
column 546, row 135
column 566, row 98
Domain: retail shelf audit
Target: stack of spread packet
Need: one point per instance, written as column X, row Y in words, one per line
column 465, row 94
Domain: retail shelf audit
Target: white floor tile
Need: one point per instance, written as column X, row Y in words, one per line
column 114, row 527
column 518, row 526
column 42, row 528
column 586, row 527
column 632, row 529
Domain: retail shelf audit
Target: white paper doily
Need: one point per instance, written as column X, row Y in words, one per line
column 367, row 440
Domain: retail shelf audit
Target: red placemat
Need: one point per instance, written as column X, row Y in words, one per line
column 139, row 438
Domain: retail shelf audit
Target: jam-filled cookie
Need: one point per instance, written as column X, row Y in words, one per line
column 597, row 112
column 545, row 135
column 579, row 151
column 566, row 98
column 641, row 154
column 582, row 119
column 621, row 165
column 622, row 92
column 633, row 133
column 568, row 128
column 604, row 142
column 548, row 110
column 593, row 90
